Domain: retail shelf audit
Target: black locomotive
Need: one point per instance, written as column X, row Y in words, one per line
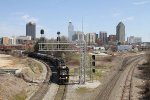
column 61, row 69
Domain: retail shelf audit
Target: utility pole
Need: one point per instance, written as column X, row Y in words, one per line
column 83, row 58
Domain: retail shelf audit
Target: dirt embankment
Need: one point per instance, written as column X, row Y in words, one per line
column 15, row 88
column 145, row 76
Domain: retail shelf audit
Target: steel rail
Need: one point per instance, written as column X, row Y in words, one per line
column 104, row 94
column 40, row 93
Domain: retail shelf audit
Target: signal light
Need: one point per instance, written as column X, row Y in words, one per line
column 42, row 31
column 93, row 60
column 93, row 70
column 93, row 63
column 93, row 57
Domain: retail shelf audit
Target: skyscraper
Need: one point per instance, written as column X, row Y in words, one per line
column 120, row 32
column 103, row 37
column 90, row 38
column 70, row 31
column 31, row 30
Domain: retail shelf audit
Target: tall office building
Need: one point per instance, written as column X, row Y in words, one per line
column 103, row 37
column 31, row 30
column 70, row 31
column 120, row 32
column 90, row 38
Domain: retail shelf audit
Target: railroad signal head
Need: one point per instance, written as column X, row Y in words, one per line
column 93, row 70
column 93, row 60
column 42, row 31
column 93, row 63
column 58, row 33
column 93, row 57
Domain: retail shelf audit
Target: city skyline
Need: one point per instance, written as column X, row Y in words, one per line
column 53, row 16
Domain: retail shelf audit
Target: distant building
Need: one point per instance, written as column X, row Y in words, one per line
column 70, row 31
column 99, row 42
column 12, row 40
column 112, row 38
column 77, row 36
column 5, row 40
column 120, row 32
column 103, row 37
column 96, row 36
column 98, row 50
column 23, row 39
column 90, row 38
column 133, row 39
column 146, row 44
column 124, row 47
column 31, row 30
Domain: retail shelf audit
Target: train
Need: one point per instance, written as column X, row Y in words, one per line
column 58, row 63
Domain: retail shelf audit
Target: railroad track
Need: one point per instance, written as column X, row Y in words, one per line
column 61, row 92
column 40, row 93
column 127, row 89
column 106, row 91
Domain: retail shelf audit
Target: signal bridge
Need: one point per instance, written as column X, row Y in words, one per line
column 72, row 47
column 58, row 46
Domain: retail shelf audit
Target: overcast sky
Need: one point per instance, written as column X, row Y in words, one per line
column 54, row 15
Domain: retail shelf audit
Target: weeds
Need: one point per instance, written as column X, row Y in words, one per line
column 20, row 96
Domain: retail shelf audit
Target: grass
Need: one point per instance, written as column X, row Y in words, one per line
column 73, row 59
column 71, row 71
column 82, row 90
column 35, row 67
column 20, row 96
column 39, row 67
column 97, row 75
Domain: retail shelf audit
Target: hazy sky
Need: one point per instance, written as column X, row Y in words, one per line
column 54, row 15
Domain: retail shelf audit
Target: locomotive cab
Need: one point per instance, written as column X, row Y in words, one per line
column 63, row 74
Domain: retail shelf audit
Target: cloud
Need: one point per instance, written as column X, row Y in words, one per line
column 140, row 2
column 25, row 17
column 130, row 18
column 28, row 18
column 116, row 14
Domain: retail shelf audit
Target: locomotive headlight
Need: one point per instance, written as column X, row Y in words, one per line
column 66, row 77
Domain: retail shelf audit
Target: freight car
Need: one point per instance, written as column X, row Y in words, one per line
column 62, row 69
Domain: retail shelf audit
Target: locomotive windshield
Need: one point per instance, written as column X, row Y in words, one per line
column 63, row 72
